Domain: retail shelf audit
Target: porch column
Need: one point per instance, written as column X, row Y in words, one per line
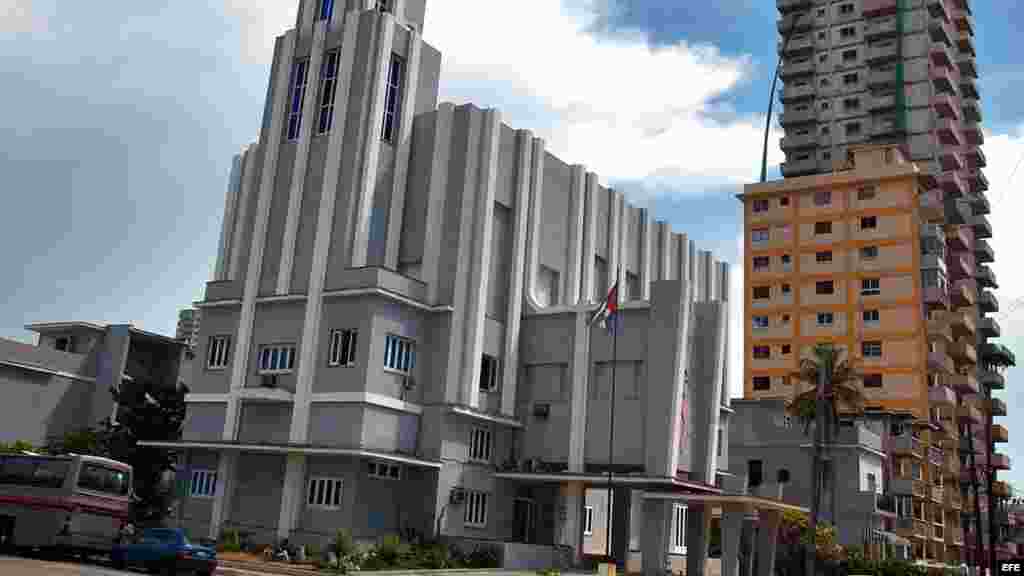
column 732, row 531
column 767, row 534
column 570, row 518
column 657, row 529
column 292, row 491
column 225, row 491
column 698, row 526
column 748, row 546
column 621, row 505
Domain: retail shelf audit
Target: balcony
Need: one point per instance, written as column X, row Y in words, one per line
column 967, row 66
column 941, row 55
column 787, row 6
column 956, row 535
column 989, row 328
column 976, row 158
column 935, row 296
column 997, row 406
column 906, row 445
column 963, row 351
column 886, row 127
column 998, row 354
column 938, row 494
column 939, row 361
column 1000, row 434
column 941, row 396
column 937, row 8
column 971, row 110
column 223, row 290
column 991, row 379
column 797, row 44
column 964, row 383
column 803, row 116
column 961, row 265
column 799, row 167
column 980, row 205
column 964, row 293
column 939, row 328
column 958, row 211
column 882, row 102
column 952, row 473
column 794, row 23
column 948, row 131
column 962, row 320
column 932, row 207
column 797, row 67
column 943, row 79
column 979, row 182
column 963, row 20
column 972, row 133
column 969, row 88
column 1001, row 489
column 886, row 51
column 966, row 44
column 908, row 487
column 794, row 91
column 951, row 182
column 882, row 77
column 985, row 277
column 880, row 27
column 967, row 447
column 950, row 160
column 798, row 141
column 983, row 253
column 959, row 239
column 987, row 302
column 968, row 413
column 982, row 228
column 1000, row 461
column 940, row 32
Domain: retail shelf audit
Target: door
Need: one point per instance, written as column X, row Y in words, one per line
column 526, row 520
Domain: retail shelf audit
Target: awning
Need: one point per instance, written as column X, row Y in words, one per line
column 296, row 449
column 599, row 479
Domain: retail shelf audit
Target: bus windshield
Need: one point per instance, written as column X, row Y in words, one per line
column 31, row 471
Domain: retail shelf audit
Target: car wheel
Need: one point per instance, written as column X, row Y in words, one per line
column 117, row 561
column 169, row 569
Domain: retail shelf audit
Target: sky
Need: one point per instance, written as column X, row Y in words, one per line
column 123, row 117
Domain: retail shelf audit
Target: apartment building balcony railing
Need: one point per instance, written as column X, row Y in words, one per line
column 979, row 182
column 941, row 55
column 906, row 445
column 946, row 105
column 979, row 203
column 797, row 141
column 991, row 379
column 969, row 88
column 882, row 102
column 795, row 23
column 967, row 65
column 882, row 77
column 959, row 238
column 972, row 133
column 940, row 32
column 1001, row 489
column 952, row 473
column 939, row 329
column 975, row 156
column 1000, row 434
column 799, row 167
column 965, row 42
column 971, row 110
column 997, row 406
column 983, row 252
column 963, row 20
column 903, row 486
column 941, row 396
column 998, row 354
column 882, row 52
column 985, row 277
column 956, row 536
column 796, row 67
column 939, row 361
column 962, row 264
column 958, row 210
column 793, row 92
column 793, row 117
column 935, row 456
column 968, row 413
column 1000, row 461
column 948, row 130
column 880, row 27
column 787, row 6
column 962, row 320
column 950, row 160
column 989, row 328
column 939, row 531
column 921, row 529
column 798, row 44
column 982, row 227
column 932, row 206
column 951, row 182
column 943, row 80
column 937, row 9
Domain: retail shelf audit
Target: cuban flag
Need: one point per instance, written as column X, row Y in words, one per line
column 608, row 313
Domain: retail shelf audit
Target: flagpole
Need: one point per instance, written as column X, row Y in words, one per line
column 611, row 421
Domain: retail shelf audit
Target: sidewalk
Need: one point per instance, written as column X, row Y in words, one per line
column 240, row 568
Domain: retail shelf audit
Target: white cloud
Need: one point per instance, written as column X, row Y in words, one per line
column 625, row 110
column 1004, row 153
column 19, row 16
column 260, row 22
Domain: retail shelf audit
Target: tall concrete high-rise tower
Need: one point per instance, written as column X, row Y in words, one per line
column 904, row 72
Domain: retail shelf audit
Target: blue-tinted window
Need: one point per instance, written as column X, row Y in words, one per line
column 300, row 74
column 326, row 9
column 392, row 98
column 328, row 87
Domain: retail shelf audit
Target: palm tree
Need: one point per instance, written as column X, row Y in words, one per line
column 835, row 388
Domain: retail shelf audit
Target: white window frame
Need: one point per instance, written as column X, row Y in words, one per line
column 475, row 513
column 341, row 347
column 203, row 483
column 870, row 287
column 384, row 470
column 399, row 354
column 284, row 362
column 481, row 444
column 392, row 98
column 324, row 492
column 490, row 373
column 297, row 85
column 218, row 352
column 679, row 528
column 328, row 88
column 588, row 520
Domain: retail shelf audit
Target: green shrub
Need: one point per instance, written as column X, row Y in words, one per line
column 483, row 556
column 230, row 541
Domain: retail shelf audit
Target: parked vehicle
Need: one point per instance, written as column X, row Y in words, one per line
column 72, row 502
column 165, row 551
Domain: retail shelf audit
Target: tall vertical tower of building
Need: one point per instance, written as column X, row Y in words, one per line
column 903, row 72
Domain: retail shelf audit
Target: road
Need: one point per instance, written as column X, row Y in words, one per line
column 32, row 567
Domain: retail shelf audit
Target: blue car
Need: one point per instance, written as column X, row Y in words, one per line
column 165, row 551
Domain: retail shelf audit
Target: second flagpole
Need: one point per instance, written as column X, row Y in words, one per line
column 611, row 418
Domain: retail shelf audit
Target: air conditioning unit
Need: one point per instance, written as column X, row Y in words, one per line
column 541, row 411
column 408, row 382
column 457, row 496
column 269, row 381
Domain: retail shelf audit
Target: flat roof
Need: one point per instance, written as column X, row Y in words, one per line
column 45, row 327
column 832, row 179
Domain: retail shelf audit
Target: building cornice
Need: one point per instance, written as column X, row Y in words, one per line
column 44, row 370
column 295, row 449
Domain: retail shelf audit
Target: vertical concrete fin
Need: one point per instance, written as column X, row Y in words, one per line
column 589, row 237
column 518, row 275
column 536, row 184
column 399, row 185
column 574, row 244
column 646, row 254
column 433, row 234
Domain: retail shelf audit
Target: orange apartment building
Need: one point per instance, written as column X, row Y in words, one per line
column 857, row 257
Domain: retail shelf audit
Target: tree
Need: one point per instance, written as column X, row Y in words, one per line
column 17, row 447
column 835, row 389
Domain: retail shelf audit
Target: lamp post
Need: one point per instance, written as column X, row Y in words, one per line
column 786, row 36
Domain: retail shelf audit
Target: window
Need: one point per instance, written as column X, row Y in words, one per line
column 755, row 473
column 761, row 205
column 822, row 57
column 588, row 520
column 786, row 289
column 391, row 98
column 480, row 444
column 825, row 318
column 897, row 429
column 762, row 292
column 824, row 256
column 490, row 373
column 204, row 484
column 218, row 352
column 102, row 479
column 821, row 35
column 300, row 76
column 872, row 483
column 326, row 9
column 822, row 227
column 782, row 476
column 853, row 129
column 787, row 261
column 870, row 287
column 762, row 352
column 63, row 343
column 762, row 382
column 849, row 55
column 760, row 322
column 328, row 86
column 761, row 263
column 870, row 317
column 384, row 5
column 849, row 79
column 846, row 9
column 826, row 155
column 475, row 513
column 787, row 349
column 868, row 222
column 872, row 380
column 384, row 470
column 822, row 197
column 784, row 201
column 869, row 252
column 341, row 349
column 824, row 287
column 866, row 192
column 679, row 527
column 277, row 359
column 851, row 103
column 847, row 32
column 785, row 319
column 871, row 349
column 324, row 493
column 825, row 105
column 399, row 354
column 759, row 235
column 821, row 12
column 825, row 130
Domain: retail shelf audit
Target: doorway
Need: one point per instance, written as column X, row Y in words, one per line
column 526, row 520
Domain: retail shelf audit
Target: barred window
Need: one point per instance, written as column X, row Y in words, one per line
column 475, row 513
column 324, row 493
column 218, row 351
column 341, row 350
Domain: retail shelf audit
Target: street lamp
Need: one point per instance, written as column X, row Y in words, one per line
column 786, row 36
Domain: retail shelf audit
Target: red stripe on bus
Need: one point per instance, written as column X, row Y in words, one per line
column 69, row 504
